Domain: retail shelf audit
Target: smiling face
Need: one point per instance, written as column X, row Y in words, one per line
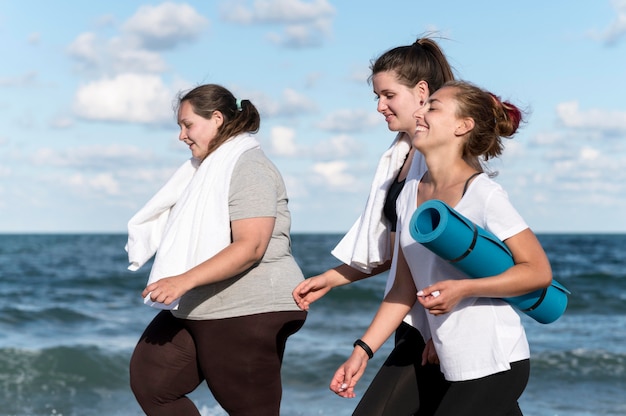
column 396, row 101
column 196, row 131
column 437, row 123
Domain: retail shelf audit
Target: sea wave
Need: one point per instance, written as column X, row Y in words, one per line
column 57, row 377
column 581, row 363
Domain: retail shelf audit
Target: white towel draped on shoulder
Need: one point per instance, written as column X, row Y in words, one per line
column 367, row 244
column 187, row 221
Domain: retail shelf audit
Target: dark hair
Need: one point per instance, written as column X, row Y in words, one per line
column 422, row 61
column 493, row 119
column 238, row 117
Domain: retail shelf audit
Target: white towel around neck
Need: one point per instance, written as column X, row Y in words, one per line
column 187, row 221
column 367, row 244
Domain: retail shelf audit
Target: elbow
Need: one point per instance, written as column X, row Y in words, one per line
column 545, row 278
column 256, row 253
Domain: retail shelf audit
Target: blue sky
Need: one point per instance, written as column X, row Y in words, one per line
column 88, row 134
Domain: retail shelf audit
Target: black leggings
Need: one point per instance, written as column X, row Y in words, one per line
column 402, row 386
column 239, row 358
column 494, row 395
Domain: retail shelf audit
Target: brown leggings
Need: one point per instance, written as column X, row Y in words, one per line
column 239, row 358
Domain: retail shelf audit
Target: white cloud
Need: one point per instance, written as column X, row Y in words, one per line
column 136, row 49
column 127, row 57
column 548, row 138
column 94, row 157
column 302, row 35
column 295, row 103
column 334, row 174
column 350, row 121
column 291, row 103
column 513, row 148
column 295, row 188
column 282, row 141
column 85, row 49
column 338, row 146
column 117, row 55
column 277, row 11
column 312, row 78
column 100, row 183
column 609, row 121
column 306, row 24
column 166, row 25
column 589, row 154
column 586, row 174
column 128, row 173
column 360, row 75
column 131, row 98
column 61, row 123
column 617, row 29
column 29, row 78
column 34, row 38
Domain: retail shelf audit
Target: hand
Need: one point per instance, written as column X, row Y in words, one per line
column 429, row 356
column 441, row 297
column 166, row 290
column 310, row 290
column 349, row 373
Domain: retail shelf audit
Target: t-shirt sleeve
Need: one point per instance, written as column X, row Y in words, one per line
column 501, row 217
column 253, row 189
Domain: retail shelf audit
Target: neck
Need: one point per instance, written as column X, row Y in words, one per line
column 444, row 170
column 444, row 180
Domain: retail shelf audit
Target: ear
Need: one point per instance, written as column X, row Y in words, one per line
column 422, row 90
column 218, row 118
column 464, row 126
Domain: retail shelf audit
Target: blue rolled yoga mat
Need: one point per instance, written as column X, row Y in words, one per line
column 479, row 253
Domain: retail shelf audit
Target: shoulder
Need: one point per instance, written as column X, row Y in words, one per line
column 254, row 170
column 493, row 210
column 255, row 161
column 483, row 185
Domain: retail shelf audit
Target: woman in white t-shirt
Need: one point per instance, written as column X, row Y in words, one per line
column 478, row 338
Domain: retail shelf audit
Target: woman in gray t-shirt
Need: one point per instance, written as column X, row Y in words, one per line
column 223, row 271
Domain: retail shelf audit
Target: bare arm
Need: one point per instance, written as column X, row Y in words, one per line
column 313, row 288
column 251, row 237
column 392, row 311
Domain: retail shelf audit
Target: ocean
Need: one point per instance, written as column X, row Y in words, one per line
column 71, row 314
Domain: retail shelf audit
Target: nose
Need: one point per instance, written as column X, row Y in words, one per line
column 182, row 135
column 381, row 106
column 419, row 113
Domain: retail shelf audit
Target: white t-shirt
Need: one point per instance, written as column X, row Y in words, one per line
column 481, row 336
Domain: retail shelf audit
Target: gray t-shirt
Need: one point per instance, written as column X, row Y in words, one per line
column 256, row 190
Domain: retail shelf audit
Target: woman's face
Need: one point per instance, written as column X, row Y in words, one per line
column 436, row 122
column 196, row 131
column 396, row 101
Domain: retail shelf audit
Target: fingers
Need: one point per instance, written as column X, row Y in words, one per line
column 156, row 294
column 309, row 291
column 431, row 300
column 346, row 377
column 343, row 389
column 340, row 383
column 428, row 292
column 299, row 296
